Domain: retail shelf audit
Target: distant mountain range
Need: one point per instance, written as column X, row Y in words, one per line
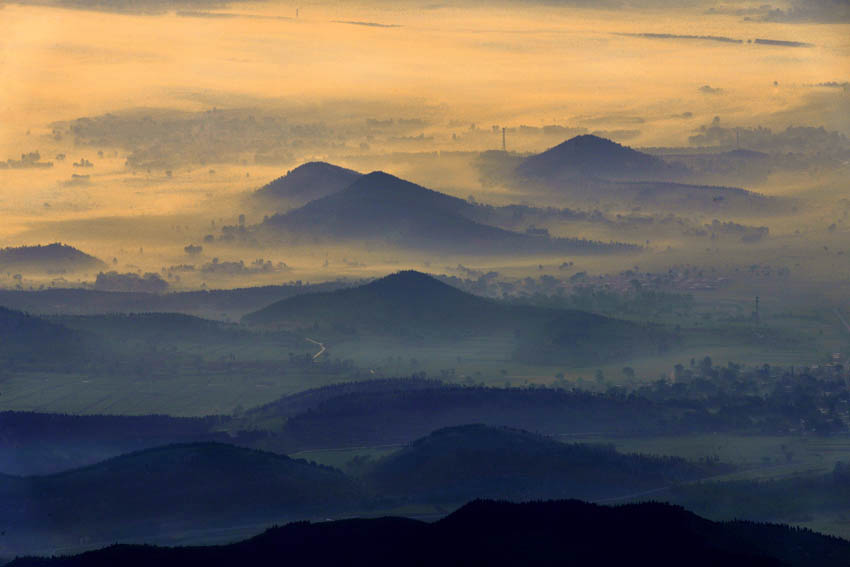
column 207, row 303
column 53, row 258
column 501, row 534
column 379, row 208
column 305, row 183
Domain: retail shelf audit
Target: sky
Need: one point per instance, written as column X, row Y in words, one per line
column 507, row 63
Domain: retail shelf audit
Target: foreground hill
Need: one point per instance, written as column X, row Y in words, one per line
column 191, row 485
column 499, row 533
column 379, row 208
column 458, row 464
column 53, row 258
column 307, row 182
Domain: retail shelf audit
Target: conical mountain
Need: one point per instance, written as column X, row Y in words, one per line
column 595, row 157
column 381, row 208
column 308, row 182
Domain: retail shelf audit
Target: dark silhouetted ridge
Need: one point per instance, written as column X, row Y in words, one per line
column 567, row 532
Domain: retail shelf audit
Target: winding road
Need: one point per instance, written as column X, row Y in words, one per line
column 322, row 348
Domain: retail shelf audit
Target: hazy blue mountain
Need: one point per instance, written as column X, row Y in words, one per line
column 381, row 208
column 307, row 182
column 408, row 299
column 501, row 534
column 458, row 464
column 414, row 304
column 179, row 486
column 594, row 157
column 52, row 258
column 591, row 169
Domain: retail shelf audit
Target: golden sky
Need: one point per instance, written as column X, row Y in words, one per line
column 517, row 63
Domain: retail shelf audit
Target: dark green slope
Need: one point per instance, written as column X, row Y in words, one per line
column 24, row 338
column 197, row 484
column 404, row 299
column 154, row 328
column 414, row 304
column 458, row 464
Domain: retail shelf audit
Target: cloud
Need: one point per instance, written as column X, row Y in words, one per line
column 197, row 14
column 834, row 85
column 718, row 38
column 226, row 15
column 607, row 119
column 799, row 11
column 617, row 135
column 782, row 43
column 97, row 54
column 149, row 7
column 367, row 24
column 708, row 89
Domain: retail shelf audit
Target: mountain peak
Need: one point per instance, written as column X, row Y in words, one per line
column 381, row 181
column 591, row 156
column 410, row 283
column 408, row 277
column 309, row 181
column 590, row 140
